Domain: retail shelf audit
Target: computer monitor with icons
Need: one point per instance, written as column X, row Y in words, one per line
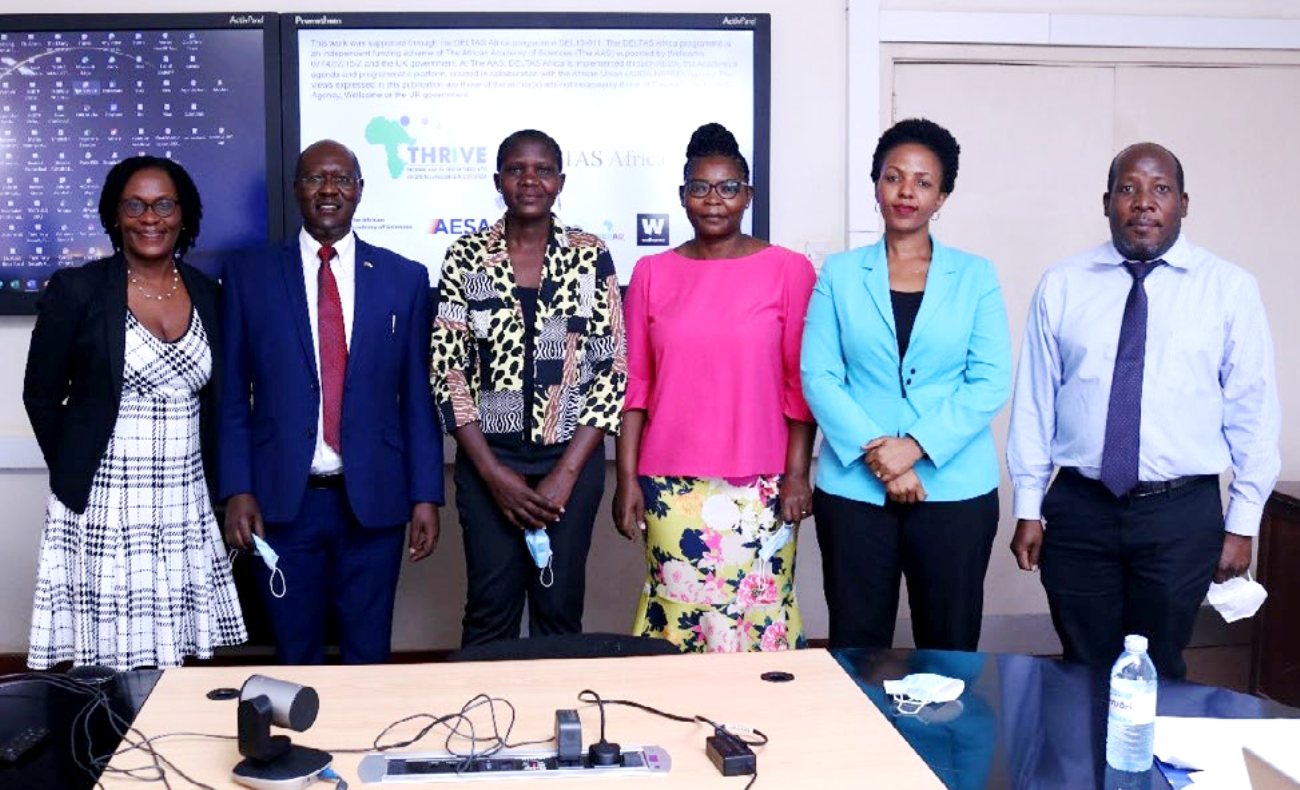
column 80, row 92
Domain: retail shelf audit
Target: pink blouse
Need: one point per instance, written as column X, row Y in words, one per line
column 713, row 359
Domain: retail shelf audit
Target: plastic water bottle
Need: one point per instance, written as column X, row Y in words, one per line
column 1131, row 726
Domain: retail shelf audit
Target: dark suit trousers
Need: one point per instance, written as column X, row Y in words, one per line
column 500, row 572
column 942, row 548
column 1134, row 565
column 333, row 566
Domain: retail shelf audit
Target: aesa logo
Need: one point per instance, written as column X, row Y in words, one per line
column 458, row 226
column 651, row 230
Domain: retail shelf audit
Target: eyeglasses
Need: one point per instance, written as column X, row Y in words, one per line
column 318, row 180
column 162, row 208
column 726, row 189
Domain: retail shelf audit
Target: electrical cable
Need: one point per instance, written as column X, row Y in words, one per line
column 597, row 700
column 454, row 722
column 591, row 697
column 95, row 766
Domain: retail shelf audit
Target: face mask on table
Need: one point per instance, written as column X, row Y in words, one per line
column 914, row 692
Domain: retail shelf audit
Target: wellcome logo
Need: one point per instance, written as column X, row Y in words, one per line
column 652, row 230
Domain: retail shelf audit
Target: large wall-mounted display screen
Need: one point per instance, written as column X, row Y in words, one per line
column 79, row 93
column 425, row 99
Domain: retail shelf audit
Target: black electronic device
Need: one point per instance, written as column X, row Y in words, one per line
column 604, row 753
column 15, row 745
column 273, row 762
column 729, row 754
column 568, row 738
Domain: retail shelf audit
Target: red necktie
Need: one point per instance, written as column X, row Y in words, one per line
column 333, row 349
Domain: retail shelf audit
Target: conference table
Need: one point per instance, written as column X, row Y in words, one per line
column 1022, row 722
column 1028, row 722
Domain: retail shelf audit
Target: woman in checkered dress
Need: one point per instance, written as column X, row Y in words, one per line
column 120, row 389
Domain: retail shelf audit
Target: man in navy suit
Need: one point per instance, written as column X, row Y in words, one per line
column 329, row 439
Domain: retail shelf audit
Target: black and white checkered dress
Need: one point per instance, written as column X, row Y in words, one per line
column 140, row 578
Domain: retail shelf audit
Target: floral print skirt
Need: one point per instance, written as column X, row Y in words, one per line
column 709, row 588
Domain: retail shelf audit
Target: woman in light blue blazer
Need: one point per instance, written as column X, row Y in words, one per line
column 906, row 359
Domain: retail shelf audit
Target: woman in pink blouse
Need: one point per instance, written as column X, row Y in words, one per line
column 714, row 449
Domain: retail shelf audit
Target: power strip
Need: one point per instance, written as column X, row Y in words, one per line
column 506, row 764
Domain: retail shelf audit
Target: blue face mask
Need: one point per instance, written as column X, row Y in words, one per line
column 773, row 542
column 271, row 559
column 539, row 545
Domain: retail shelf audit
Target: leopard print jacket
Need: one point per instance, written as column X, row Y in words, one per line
column 579, row 350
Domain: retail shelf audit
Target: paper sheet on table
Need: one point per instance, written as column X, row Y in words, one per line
column 1212, row 747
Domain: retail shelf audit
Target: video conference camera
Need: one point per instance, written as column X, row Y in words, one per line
column 273, row 762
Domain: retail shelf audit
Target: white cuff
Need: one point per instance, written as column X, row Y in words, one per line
column 1243, row 518
column 1027, row 504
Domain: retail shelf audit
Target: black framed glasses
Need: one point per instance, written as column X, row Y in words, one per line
column 339, row 180
column 726, row 189
column 162, row 208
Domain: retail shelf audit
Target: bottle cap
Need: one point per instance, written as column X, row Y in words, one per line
column 1135, row 643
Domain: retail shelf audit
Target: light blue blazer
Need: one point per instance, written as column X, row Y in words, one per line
column 944, row 393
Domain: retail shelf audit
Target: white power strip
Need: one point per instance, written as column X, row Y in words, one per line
column 506, row 764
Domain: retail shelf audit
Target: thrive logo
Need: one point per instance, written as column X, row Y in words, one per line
column 390, row 135
column 652, row 230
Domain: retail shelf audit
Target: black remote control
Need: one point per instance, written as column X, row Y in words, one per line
column 21, row 742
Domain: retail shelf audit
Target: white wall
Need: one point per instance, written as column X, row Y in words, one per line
column 807, row 210
column 1216, row 8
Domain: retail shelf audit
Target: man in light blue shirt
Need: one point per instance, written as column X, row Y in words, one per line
column 1146, row 370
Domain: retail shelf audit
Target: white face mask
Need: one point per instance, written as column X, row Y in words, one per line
column 1237, row 598
column 914, row 692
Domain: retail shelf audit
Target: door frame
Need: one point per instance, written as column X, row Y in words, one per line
column 878, row 37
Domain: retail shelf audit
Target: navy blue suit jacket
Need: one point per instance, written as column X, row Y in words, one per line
column 391, row 445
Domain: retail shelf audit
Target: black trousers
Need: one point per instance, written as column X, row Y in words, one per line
column 941, row 548
column 500, row 573
column 1132, row 565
